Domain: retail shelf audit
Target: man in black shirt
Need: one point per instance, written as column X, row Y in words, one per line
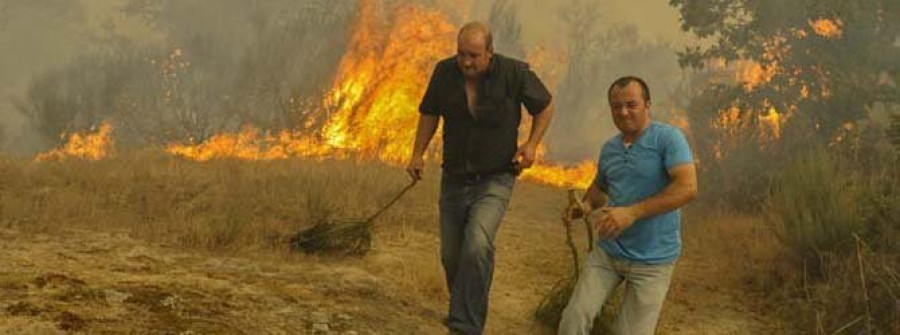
column 479, row 95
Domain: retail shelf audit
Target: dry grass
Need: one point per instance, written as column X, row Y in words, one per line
column 745, row 252
column 839, row 217
column 239, row 209
column 252, row 208
column 213, row 205
column 235, row 207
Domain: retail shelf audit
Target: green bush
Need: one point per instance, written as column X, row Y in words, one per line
column 816, row 205
column 820, row 203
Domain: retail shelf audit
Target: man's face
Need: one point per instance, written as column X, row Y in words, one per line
column 472, row 55
column 630, row 111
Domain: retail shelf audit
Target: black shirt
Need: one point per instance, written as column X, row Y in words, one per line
column 486, row 141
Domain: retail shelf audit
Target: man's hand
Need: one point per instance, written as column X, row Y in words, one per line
column 525, row 156
column 615, row 220
column 415, row 168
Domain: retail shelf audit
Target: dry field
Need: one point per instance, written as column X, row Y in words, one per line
column 149, row 243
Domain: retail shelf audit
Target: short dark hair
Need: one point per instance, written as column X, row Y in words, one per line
column 624, row 81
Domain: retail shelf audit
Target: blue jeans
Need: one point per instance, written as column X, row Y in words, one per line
column 645, row 290
column 471, row 211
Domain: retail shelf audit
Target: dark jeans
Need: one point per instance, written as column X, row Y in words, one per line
column 471, row 211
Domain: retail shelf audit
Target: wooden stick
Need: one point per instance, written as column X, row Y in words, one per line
column 575, row 199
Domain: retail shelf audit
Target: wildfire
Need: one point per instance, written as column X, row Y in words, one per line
column 773, row 121
column 729, row 119
column 752, row 74
column 88, row 145
column 579, row 176
column 373, row 100
column 827, row 28
column 253, row 145
column 381, row 116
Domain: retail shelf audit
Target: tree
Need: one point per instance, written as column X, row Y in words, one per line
column 823, row 61
column 823, row 66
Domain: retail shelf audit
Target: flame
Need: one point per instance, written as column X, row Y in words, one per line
column 827, row 28
column 772, row 121
column 373, row 98
column 728, row 119
column 756, row 73
column 751, row 74
column 371, row 108
column 253, row 145
column 88, row 145
column 578, row 176
column 380, row 88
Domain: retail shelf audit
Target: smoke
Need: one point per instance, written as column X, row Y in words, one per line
column 34, row 36
column 184, row 70
column 599, row 41
column 163, row 70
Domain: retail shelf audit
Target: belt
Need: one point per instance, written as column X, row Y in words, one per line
column 472, row 177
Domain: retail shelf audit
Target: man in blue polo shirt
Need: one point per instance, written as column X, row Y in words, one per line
column 645, row 174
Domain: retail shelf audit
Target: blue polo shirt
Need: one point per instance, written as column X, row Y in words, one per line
column 629, row 175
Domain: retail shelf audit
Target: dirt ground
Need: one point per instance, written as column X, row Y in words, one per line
column 81, row 281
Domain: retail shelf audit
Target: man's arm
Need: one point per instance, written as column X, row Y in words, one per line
column 594, row 198
column 527, row 152
column 424, row 132
column 536, row 98
column 681, row 189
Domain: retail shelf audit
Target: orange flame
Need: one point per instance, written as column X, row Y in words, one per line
column 752, row 74
column 252, row 145
column 88, row 145
column 374, row 96
column 373, row 100
column 579, row 176
column 378, row 88
column 827, row 28
column 773, row 121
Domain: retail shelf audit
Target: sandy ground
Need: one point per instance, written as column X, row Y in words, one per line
column 83, row 281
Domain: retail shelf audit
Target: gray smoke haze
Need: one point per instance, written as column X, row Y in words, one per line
column 603, row 40
column 68, row 64
column 166, row 70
